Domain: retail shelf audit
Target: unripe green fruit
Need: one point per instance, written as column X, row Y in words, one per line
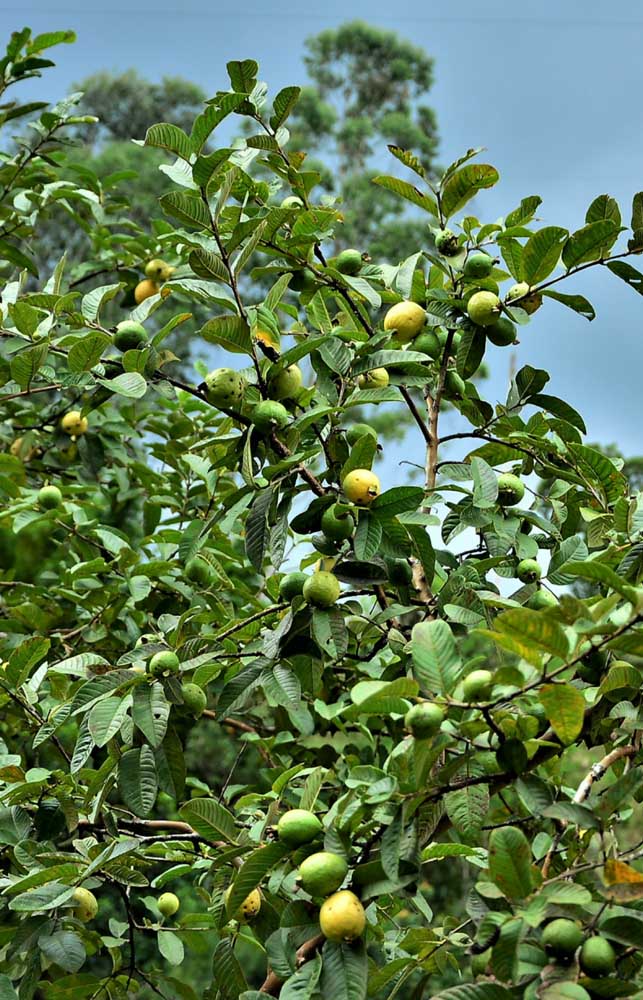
column 292, row 201
column 528, row 571
column 49, row 497
column 428, row 343
column 349, row 261
column 376, row 378
column 164, row 663
column 303, row 281
column 561, row 937
column 502, row 333
column 357, row 431
column 541, row 600
column 286, row 383
column 342, row 917
column 597, row 957
column 322, row 543
column 322, row 589
column 199, row 571
column 446, row 243
column 337, row 524
column 194, row 699
column 477, row 685
column 424, row 720
column 168, row 904
column 454, row 385
column 85, row 905
column 269, row 416
column 322, row 873
column 298, row 826
column 511, row 489
column 225, row 388
column 529, row 301
column 130, row 336
column 406, row 319
column 484, row 308
column 478, row 265
column 292, row 585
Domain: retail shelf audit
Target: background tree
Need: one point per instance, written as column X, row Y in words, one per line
column 216, row 554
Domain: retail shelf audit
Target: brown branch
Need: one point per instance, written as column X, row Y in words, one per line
column 273, row 983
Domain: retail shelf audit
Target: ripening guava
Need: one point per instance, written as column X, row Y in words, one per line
column 322, row 589
column 269, row 416
column 477, row 685
column 361, row 486
column 526, row 299
column 298, row 826
column 292, row 584
column 285, row 384
column 424, row 720
column 85, row 904
column 376, row 378
column 484, row 308
column 164, row 663
column 144, row 290
column 74, row 424
column 511, row 489
column 406, row 319
column 446, row 243
column 249, row 908
column 342, row 917
column 49, row 497
column 168, row 904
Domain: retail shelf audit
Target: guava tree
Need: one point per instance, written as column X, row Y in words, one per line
column 418, row 685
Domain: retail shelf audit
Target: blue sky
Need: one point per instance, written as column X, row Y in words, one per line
column 552, row 91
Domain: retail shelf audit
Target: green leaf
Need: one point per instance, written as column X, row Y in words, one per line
column 368, row 536
column 533, row 629
column 106, row 719
column 170, row 947
column 485, row 491
column 591, row 242
column 86, row 353
column 208, row 265
column 137, row 779
column 210, row 819
column 464, row 184
column 7, row 991
column 467, row 808
column 64, row 948
column 627, row 273
column 243, row 75
column 283, row 104
column 188, row 209
column 170, row 137
column 397, row 500
column 542, row 252
column 436, row 663
column 227, row 972
column 510, row 863
column 11, row 253
column 257, row 529
column 93, row 302
column 150, row 712
column 525, row 211
column 24, row 658
column 604, row 207
column 302, row 985
column 576, row 302
column 132, row 385
column 565, row 709
column 474, row 991
column 560, row 409
column 26, row 365
column 46, row 897
column 344, row 971
column 594, row 570
column 230, row 332
column 407, row 191
column 252, row 872
column 470, row 351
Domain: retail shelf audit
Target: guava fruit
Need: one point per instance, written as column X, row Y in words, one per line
column 342, row 917
column 592, row 667
column 597, row 957
column 49, row 497
column 269, row 416
column 225, row 388
column 446, row 243
column 357, row 431
column 292, row 201
column 484, row 308
column 144, row 290
column 528, row 300
column 168, row 904
column 477, row 685
column 74, row 424
column 249, row 908
column 406, row 319
column 292, row 584
column 541, row 600
column 428, row 343
column 502, row 333
column 322, row 543
column 454, row 385
column 511, row 489
column 285, row 384
column 303, row 281
column 337, row 523
column 376, row 378
column 349, row 262
column 561, row 938
column 298, row 826
column 130, row 336
column 478, row 265
column 194, row 699
column 199, row 571
column 85, row 904
column 322, row 589
column 361, row 486
column 424, row 720
column 164, row 663
column 322, row 873
column 528, row 571
column 155, row 269
column 399, row 572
